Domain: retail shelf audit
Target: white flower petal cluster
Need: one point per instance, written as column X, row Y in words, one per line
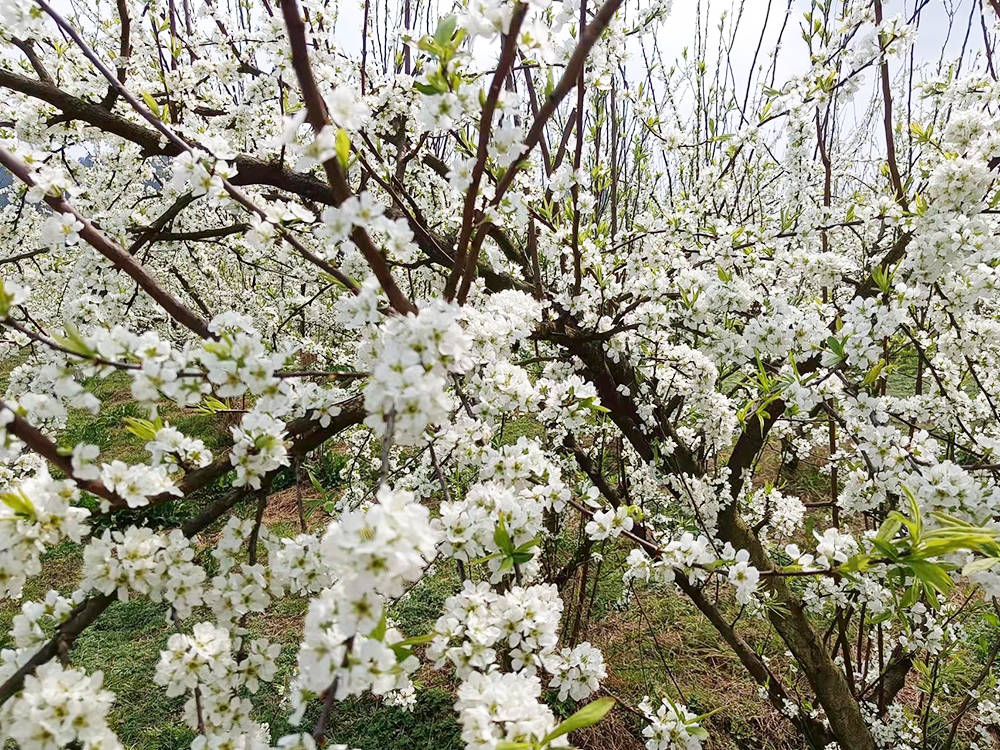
column 569, row 402
column 477, row 622
column 12, row 293
column 238, row 592
column 34, row 516
column 671, row 727
column 201, row 174
column 959, row 183
column 346, row 649
column 299, row 566
column 501, row 321
column 61, row 229
column 696, row 558
column 27, row 630
column 389, row 542
column 49, row 181
column 468, row 525
column 780, row 514
column 577, row 672
column 363, row 212
column 688, row 553
column 20, row 19
column 258, row 448
column 355, row 311
column 412, row 359
column 610, row 523
column 528, row 469
column 204, row 665
column 141, row 561
column 172, row 447
column 834, row 546
column 501, row 387
column 203, row 657
column 348, row 645
column 136, row 483
column 237, row 362
column 58, row 707
column 495, row 707
column 744, row 577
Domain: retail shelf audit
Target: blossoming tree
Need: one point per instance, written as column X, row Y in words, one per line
column 403, row 231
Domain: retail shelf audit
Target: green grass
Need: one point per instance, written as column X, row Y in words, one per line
column 125, row 643
column 419, row 610
column 107, row 430
column 365, row 725
column 60, row 571
column 515, row 429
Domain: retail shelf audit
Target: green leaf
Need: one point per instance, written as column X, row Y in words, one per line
column 502, row 539
column 977, row 566
column 932, row 575
column 591, row 403
column 342, row 144
column 911, row 596
column 911, row 526
column 700, row 718
column 18, row 502
column 529, row 544
column 918, row 521
column 888, row 530
column 426, row 88
column 151, row 103
column 315, row 482
column 445, row 30
column 211, row 405
column 426, row 43
column 143, row 428
column 874, row 372
column 402, row 652
column 886, row 548
column 855, row 564
column 587, row 716
column 5, row 301
column 836, row 346
column 417, row 640
column 74, row 340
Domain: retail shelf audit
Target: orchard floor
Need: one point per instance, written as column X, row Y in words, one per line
column 658, row 644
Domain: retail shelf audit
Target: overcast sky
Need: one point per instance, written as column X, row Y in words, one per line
column 678, row 31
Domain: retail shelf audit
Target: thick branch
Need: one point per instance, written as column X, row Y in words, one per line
column 311, row 435
column 249, row 170
column 317, row 115
column 114, row 253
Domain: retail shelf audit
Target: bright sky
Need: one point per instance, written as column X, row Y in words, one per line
column 679, row 29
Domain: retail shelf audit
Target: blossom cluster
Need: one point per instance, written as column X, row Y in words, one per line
column 411, row 361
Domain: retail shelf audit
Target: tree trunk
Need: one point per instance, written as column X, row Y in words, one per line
column 827, row 680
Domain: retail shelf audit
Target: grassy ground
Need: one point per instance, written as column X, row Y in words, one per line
column 126, row 640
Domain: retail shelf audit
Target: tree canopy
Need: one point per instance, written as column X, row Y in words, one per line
column 526, row 298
